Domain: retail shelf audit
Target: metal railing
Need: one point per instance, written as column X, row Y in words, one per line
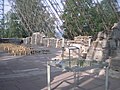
column 76, row 65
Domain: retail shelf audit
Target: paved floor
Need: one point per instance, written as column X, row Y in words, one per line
column 29, row 73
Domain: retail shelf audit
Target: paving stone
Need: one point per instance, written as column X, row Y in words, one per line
column 39, row 82
column 28, row 86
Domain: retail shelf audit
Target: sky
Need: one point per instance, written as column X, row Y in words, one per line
column 7, row 6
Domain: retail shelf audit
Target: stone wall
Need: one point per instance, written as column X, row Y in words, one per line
column 114, row 43
column 40, row 40
column 82, row 42
column 99, row 48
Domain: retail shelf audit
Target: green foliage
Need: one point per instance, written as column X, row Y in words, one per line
column 13, row 27
column 84, row 17
column 34, row 17
column 27, row 17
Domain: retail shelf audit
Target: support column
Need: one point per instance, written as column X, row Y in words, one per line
column 69, row 59
column 63, row 46
column 31, row 40
column 41, row 39
column 48, row 42
column 75, row 80
column 35, row 38
column 48, row 76
column 89, row 41
column 57, row 43
column 106, row 79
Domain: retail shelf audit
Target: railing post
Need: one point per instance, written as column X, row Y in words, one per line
column 48, row 76
column 106, row 79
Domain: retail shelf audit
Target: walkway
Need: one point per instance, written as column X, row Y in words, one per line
column 29, row 73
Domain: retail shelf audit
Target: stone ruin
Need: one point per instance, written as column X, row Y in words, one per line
column 98, row 50
column 39, row 39
column 82, row 42
column 114, row 42
column 106, row 46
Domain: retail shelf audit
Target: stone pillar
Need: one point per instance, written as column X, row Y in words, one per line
column 25, row 40
column 35, row 38
column 41, row 39
column 30, row 40
column 38, row 38
column 48, row 42
column 57, row 41
column 89, row 41
column 63, row 42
